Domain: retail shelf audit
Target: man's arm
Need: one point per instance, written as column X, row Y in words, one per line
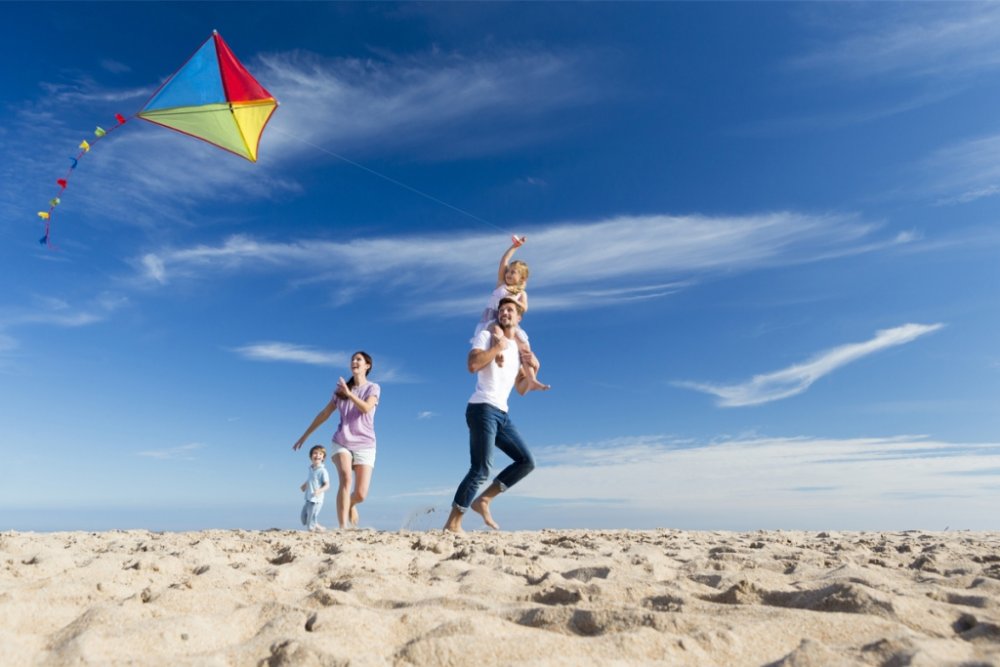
column 480, row 359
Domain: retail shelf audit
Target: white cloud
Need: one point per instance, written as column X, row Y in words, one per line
column 364, row 107
column 941, row 40
column 561, row 300
column 908, row 236
column 796, row 379
column 275, row 351
column 54, row 311
column 114, row 66
column 963, row 172
column 181, row 452
column 761, row 482
column 854, row 112
column 385, row 370
column 969, row 196
column 426, row 414
column 153, row 268
column 621, row 258
column 939, row 49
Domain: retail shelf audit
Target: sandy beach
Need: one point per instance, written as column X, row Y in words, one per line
column 566, row 597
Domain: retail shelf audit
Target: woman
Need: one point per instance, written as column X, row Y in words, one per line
column 354, row 441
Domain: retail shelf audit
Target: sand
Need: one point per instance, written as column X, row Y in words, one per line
column 567, row 597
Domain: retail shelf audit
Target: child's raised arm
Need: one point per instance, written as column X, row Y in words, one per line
column 505, row 260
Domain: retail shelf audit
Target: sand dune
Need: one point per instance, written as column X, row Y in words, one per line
column 794, row 599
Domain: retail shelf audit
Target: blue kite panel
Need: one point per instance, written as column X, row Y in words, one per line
column 197, row 82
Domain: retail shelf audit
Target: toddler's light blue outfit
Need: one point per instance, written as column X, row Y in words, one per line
column 318, row 477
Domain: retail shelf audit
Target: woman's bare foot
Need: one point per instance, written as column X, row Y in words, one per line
column 354, row 516
column 482, row 506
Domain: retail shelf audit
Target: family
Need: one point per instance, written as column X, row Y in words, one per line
column 502, row 360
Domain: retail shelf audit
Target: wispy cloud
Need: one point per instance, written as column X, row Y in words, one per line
column 963, row 172
column 386, row 371
column 288, row 352
column 969, row 196
column 925, row 52
column 621, row 258
column 114, row 66
column 56, row 312
column 940, row 40
column 759, row 482
column 426, row 414
column 411, row 103
column 563, row 300
column 850, row 115
column 179, row 453
column 796, row 379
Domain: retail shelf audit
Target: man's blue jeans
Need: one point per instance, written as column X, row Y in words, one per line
column 491, row 427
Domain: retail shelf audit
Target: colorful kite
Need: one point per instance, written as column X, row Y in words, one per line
column 212, row 97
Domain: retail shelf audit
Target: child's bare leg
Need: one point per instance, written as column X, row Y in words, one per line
column 498, row 333
column 531, row 370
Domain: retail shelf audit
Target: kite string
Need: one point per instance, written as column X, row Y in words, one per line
column 392, row 180
column 100, row 133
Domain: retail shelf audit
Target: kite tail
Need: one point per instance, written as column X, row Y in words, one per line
column 63, row 183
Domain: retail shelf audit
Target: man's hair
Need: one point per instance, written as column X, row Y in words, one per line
column 517, row 304
column 318, row 447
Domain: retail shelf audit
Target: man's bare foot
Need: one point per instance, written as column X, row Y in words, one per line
column 354, row 516
column 482, row 506
column 454, row 522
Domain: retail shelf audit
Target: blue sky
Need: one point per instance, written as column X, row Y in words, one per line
column 763, row 244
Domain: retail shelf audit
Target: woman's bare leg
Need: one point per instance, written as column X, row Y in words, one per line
column 342, row 462
column 362, row 480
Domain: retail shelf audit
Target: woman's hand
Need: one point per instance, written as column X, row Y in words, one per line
column 343, row 391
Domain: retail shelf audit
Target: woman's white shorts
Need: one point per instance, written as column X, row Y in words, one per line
column 362, row 457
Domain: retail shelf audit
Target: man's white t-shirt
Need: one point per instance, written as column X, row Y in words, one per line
column 493, row 383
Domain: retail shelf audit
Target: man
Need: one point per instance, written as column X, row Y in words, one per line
column 495, row 360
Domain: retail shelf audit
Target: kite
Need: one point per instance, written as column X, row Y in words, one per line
column 212, row 97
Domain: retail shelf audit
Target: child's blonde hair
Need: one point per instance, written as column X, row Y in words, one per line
column 522, row 269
